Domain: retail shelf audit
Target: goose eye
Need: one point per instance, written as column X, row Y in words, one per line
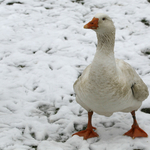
column 103, row 18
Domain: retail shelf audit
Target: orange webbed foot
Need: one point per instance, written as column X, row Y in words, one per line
column 87, row 133
column 136, row 131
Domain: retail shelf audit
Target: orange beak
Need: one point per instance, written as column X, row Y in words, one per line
column 92, row 24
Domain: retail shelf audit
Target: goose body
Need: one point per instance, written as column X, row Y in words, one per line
column 108, row 85
column 113, row 91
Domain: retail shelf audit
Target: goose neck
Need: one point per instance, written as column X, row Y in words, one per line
column 104, row 63
column 106, row 42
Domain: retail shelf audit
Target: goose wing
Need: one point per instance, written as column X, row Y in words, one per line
column 82, row 79
column 127, row 73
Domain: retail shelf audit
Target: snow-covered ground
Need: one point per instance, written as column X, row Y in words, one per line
column 43, row 49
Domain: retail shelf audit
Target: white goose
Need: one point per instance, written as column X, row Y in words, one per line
column 109, row 85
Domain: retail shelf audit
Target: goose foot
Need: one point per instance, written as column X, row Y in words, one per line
column 88, row 132
column 135, row 131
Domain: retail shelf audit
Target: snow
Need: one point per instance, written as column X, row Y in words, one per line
column 43, row 49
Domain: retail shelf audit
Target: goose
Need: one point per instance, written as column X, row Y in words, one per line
column 108, row 84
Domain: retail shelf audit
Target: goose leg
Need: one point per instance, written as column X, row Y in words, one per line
column 135, row 131
column 88, row 132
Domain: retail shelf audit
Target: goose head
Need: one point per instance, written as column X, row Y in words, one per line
column 101, row 24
